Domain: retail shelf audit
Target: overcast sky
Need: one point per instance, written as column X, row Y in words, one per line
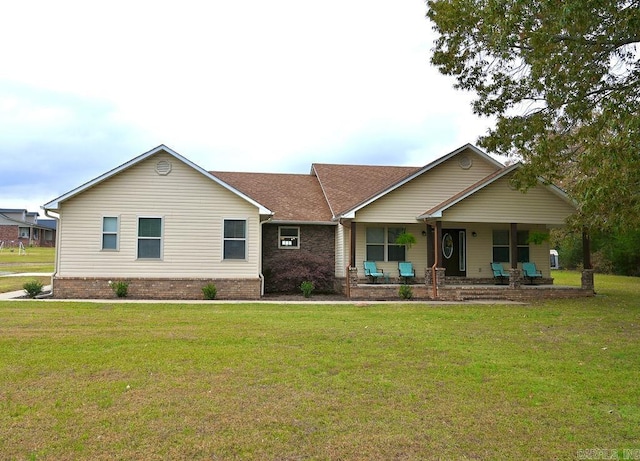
column 232, row 85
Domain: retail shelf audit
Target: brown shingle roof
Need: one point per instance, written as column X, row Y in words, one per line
column 347, row 186
column 292, row 197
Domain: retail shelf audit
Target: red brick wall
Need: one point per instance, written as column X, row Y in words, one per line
column 320, row 240
column 143, row 288
column 9, row 233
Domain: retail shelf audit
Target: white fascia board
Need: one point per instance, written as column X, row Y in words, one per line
column 54, row 204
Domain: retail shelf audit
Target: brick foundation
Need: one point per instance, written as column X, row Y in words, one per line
column 148, row 288
column 389, row 292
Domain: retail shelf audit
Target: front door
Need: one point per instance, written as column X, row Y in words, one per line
column 454, row 252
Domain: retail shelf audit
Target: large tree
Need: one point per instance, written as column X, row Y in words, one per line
column 562, row 79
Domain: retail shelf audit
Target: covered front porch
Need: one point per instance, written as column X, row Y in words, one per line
column 452, row 262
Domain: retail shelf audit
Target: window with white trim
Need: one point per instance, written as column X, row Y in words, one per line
column 523, row 246
column 395, row 252
column 109, row 233
column 149, row 238
column 381, row 244
column 500, row 246
column 234, row 239
column 288, row 237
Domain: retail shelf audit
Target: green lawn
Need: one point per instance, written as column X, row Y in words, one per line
column 266, row 381
column 36, row 259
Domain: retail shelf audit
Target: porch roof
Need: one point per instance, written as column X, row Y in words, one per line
column 350, row 188
column 437, row 211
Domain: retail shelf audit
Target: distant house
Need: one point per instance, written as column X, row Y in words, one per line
column 21, row 226
column 168, row 226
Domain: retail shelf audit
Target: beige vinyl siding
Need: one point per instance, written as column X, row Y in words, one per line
column 426, row 191
column 192, row 207
column 342, row 250
column 417, row 254
column 480, row 247
column 498, row 202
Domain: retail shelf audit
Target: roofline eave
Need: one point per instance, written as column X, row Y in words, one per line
column 289, row 222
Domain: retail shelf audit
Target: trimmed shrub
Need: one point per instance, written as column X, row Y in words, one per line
column 121, row 289
column 307, row 288
column 285, row 273
column 209, row 291
column 33, row 288
column 405, row 292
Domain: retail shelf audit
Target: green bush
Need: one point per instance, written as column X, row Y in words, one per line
column 33, row 288
column 121, row 289
column 284, row 273
column 405, row 292
column 307, row 288
column 209, row 291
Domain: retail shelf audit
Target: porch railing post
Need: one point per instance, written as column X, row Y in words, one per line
column 587, row 280
column 515, row 278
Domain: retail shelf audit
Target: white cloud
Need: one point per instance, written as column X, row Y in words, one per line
column 250, row 85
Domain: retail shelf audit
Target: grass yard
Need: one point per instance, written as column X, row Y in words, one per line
column 267, row 381
column 36, row 259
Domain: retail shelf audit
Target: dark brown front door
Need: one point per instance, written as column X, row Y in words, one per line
column 454, row 252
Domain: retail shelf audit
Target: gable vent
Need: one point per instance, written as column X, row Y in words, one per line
column 465, row 162
column 163, row 167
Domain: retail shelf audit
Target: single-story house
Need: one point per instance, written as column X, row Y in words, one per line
column 19, row 226
column 168, row 226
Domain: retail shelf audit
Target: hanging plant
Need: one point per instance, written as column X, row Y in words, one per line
column 537, row 237
column 407, row 239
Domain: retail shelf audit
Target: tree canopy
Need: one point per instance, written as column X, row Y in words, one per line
column 562, row 79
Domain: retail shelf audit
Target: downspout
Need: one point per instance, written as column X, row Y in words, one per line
column 435, row 264
column 260, row 274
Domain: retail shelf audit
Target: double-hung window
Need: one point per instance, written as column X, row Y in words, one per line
column 382, row 246
column 235, row 239
column 523, row 246
column 500, row 246
column 109, row 233
column 149, row 238
column 395, row 252
column 502, row 242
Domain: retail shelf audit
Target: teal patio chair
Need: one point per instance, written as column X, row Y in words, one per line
column 530, row 272
column 406, row 270
column 499, row 273
column 372, row 271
